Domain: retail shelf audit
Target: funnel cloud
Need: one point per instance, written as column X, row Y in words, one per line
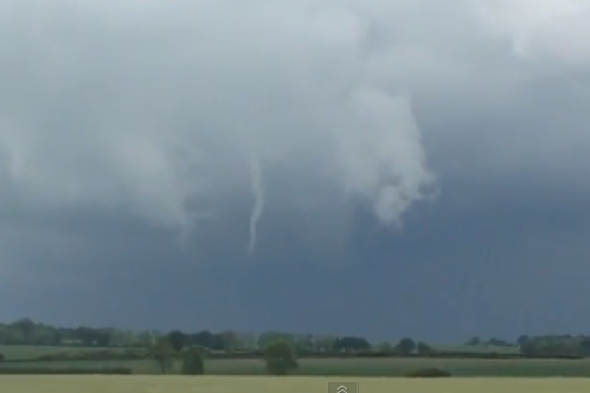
column 258, row 194
column 153, row 122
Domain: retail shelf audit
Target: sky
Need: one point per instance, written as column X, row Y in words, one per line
column 379, row 167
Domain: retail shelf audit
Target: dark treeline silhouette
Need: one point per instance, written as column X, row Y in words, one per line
column 493, row 342
column 242, row 345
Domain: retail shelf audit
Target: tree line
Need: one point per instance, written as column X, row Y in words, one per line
column 27, row 332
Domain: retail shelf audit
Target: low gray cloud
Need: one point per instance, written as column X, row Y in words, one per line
column 154, row 106
column 150, row 109
column 220, row 130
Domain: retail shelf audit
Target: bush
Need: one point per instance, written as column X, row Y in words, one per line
column 279, row 358
column 429, row 373
column 163, row 353
column 423, row 348
column 65, row 371
column 406, row 346
column 192, row 361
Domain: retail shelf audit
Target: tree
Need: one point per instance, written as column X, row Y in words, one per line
column 206, row 339
column 279, row 358
column 271, row 336
column 230, row 341
column 423, row 348
column 473, row 341
column 27, row 327
column 530, row 348
column 144, row 339
column 103, row 338
column 350, row 344
column 385, row 348
column 177, row 340
column 324, row 343
column 245, row 341
column 303, row 343
column 162, row 352
column 86, row 335
column 192, row 361
column 496, row 342
column 522, row 339
column 406, row 346
column 585, row 346
column 552, row 346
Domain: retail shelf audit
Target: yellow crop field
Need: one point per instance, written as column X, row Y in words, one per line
column 205, row 384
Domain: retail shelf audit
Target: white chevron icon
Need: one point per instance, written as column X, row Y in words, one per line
column 342, row 386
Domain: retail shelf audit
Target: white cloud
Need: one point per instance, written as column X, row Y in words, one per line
column 555, row 30
column 151, row 105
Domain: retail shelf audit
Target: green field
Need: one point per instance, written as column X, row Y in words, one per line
column 365, row 367
column 21, row 352
column 475, row 348
column 147, row 384
column 359, row 367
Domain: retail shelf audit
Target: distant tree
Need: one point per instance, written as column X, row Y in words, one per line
column 202, row 338
column 552, row 346
column 218, row 343
column 522, row 339
column 206, row 339
column 303, row 343
column 230, row 341
column 2, row 357
column 531, row 348
column 473, row 341
column 10, row 335
column 351, row 344
column 324, row 343
column 177, row 339
column 245, row 341
column 271, row 336
column 27, row 327
column 144, row 339
column 423, row 348
column 103, row 338
column 58, row 336
column 86, row 335
column 279, row 358
column 406, row 346
column 162, row 351
column 496, row 342
column 385, row 347
column 192, row 361
column 123, row 338
column 585, row 346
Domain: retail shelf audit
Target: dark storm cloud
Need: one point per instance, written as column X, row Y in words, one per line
column 385, row 145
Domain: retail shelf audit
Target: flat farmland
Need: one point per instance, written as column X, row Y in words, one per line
column 30, row 352
column 208, row 384
column 362, row 367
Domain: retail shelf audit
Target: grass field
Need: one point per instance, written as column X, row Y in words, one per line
column 33, row 351
column 360, row 367
column 475, row 348
column 163, row 384
column 365, row 367
column 21, row 352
